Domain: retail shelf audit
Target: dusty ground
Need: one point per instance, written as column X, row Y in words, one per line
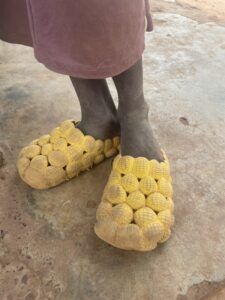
column 199, row 10
column 48, row 249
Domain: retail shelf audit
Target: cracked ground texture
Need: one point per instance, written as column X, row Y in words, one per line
column 48, row 249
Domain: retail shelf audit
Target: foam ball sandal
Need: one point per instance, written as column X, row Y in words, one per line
column 62, row 155
column 136, row 210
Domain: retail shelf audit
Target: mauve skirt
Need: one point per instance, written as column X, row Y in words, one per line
column 81, row 38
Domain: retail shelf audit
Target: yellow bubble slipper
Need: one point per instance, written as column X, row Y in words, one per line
column 62, row 155
column 136, row 210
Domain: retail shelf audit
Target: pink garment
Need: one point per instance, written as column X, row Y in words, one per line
column 80, row 38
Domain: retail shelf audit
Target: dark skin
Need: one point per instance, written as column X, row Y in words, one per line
column 99, row 113
column 101, row 119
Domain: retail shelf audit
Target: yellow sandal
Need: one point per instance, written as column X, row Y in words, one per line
column 61, row 155
column 136, row 210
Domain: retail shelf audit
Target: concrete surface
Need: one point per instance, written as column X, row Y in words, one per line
column 199, row 10
column 48, row 249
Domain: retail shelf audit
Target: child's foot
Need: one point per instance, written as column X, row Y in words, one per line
column 99, row 114
column 137, row 139
column 102, row 128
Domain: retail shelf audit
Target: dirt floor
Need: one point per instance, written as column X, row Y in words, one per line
column 199, row 10
column 48, row 250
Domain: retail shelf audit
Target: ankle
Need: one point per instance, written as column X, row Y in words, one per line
column 99, row 120
column 133, row 107
column 100, row 127
column 137, row 139
column 133, row 114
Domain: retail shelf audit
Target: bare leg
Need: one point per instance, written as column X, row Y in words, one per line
column 99, row 114
column 137, row 138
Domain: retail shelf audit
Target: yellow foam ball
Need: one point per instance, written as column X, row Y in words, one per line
column 157, row 202
column 130, row 183
column 106, row 229
column 73, row 153
column 128, row 236
column 89, row 143
column 66, row 126
column 99, row 146
column 124, row 164
column 165, row 169
column 148, row 185
column 39, row 162
column 140, row 167
column 144, row 216
column 147, row 244
column 55, row 175
column 121, row 237
column 165, row 236
column 46, row 149
column 87, row 161
column 166, row 218
column 104, row 210
column 31, row 151
column 116, row 194
column 76, row 137
column 111, row 152
column 122, row 214
column 60, row 144
column 73, row 168
column 136, row 200
column 165, row 187
column 35, row 178
column 44, row 139
column 114, row 177
column 34, row 142
column 99, row 158
column 116, row 141
column 155, row 169
column 69, row 131
column 115, row 161
column 154, row 231
column 57, row 158
column 55, row 135
column 108, row 144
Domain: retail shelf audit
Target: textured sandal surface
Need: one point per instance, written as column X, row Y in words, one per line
column 62, row 155
column 136, row 210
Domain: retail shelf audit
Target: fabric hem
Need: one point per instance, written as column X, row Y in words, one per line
column 15, row 41
column 105, row 72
